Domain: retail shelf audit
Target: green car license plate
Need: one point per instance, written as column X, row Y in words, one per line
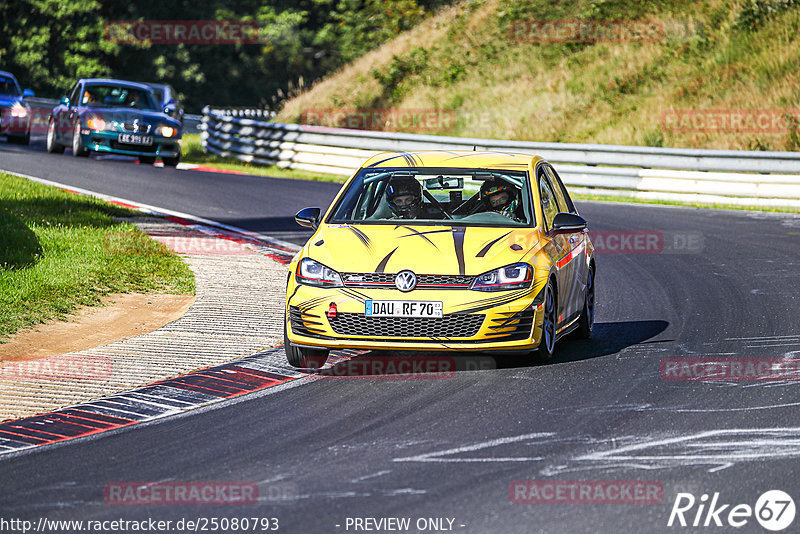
column 132, row 139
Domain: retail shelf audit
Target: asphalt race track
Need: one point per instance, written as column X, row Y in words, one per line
column 450, row 447
column 245, row 201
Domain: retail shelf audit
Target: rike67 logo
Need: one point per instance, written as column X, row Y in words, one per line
column 774, row 510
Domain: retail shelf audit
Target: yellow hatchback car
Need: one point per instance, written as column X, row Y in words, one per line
column 431, row 251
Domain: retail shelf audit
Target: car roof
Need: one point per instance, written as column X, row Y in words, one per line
column 6, row 73
column 115, row 82
column 447, row 158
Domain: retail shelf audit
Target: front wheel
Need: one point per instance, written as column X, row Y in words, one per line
column 147, row 160
column 78, row 150
column 303, row 357
column 547, row 345
column 586, row 322
column 53, row 146
column 171, row 162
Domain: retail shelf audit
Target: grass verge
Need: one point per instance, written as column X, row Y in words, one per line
column 59, row 251
column 474, row 69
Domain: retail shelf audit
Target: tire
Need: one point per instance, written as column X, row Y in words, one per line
column 78, row 150
column 53, row 146
column 586, row 322
column 172, row 162
column 303, row 357
column 547, row 345
column 147, row 160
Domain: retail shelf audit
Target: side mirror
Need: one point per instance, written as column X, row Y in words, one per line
column 567, row 223
column 65, row 101
column 169, row 109
column 27, row 93
column 308, row 217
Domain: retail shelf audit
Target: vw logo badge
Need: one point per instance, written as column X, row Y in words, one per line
column 405, row 281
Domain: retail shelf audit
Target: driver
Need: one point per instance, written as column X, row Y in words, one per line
column 500, row 197
column 404, row 195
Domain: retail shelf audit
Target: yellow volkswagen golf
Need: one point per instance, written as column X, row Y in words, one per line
column 456, row 251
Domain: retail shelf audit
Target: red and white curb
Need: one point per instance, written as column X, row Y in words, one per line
column 155, row 401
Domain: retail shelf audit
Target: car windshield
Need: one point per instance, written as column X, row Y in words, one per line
column 118, row 96
column 8, row 87
column 479, row 197
column 158, row 92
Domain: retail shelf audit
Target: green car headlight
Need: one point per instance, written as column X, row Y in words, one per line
column 97, row 124
column 166, row 131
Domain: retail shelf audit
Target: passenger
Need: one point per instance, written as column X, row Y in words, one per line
column 132, row 100
column 404, row 195
column 500, row 197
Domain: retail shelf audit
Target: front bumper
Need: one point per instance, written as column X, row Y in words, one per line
column 510, row 326
column 103, row 141
column 10, row 125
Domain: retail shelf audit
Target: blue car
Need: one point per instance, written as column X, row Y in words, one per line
column 114, row 116
column 15, row 113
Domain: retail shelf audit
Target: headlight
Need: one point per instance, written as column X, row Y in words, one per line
column 516, row 276
column 96, row 123
column 166, row 131
column 313, row 273
column 18, row 110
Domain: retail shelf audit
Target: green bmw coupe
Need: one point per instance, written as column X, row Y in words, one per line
column 114, row 116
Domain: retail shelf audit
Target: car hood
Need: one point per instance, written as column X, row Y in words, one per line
column 6, row 100
column 129, row 115
column 422, row 249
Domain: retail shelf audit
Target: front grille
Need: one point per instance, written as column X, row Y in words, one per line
column 137, row 128
column 449, row 326
column 134, row 148
column 424, row 281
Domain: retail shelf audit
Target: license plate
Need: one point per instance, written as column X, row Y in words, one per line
column 402, row 308
column 130, row 139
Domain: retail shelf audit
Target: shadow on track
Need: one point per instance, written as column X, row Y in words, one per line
column 608, row 338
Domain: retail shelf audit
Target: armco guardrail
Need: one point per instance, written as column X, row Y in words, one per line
column 724, row 176
column 40, row 111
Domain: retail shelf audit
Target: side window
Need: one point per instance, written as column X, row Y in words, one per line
column 564, row 199
column 549, row 202
column 75, row 95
